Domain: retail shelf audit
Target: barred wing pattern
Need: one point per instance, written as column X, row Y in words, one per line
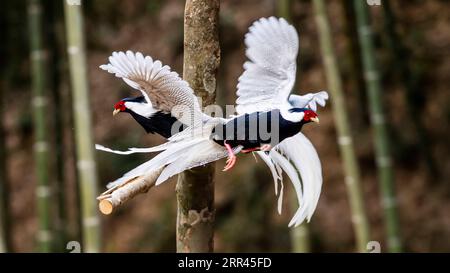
column 160, row 86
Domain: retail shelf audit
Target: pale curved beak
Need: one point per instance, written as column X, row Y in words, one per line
column 116, row 111
column 316, row 120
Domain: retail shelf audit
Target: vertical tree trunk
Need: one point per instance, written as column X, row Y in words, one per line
column 87, row 173
column 382, row 149
column 195, row 188
column 41, row 145
column 345, row 140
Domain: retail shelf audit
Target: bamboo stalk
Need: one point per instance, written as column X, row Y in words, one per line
column 345, row 139
column 353, row 58
column 114, row 197
column 195, row 188
column 284, row 9
column 86, row 166
column 382, row 149
column 300, row 242
column 300, row 237
column 412, row 86
column 41, row 145
column 53, row 19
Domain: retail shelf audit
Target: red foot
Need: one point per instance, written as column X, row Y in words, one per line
column 231, row 157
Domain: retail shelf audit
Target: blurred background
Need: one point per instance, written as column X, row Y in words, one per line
column 412, row 45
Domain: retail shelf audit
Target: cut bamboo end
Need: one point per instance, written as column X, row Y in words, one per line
column 106, row 206
column 116, row 196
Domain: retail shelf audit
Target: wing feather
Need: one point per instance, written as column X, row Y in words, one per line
column 269, row 74
column 272, row 47
column 163, row 88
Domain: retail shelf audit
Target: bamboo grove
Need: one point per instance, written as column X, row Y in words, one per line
column 69, row 174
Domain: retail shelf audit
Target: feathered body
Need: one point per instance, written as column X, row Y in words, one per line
column 264, row 94
column 256, row 129
column 160, row 123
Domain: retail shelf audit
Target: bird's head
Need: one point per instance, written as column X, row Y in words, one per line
column 310, row 116
column 304, row 115
column 137, row 105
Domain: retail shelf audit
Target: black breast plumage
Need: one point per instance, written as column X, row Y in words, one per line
column 160, row 123
column 256, row 129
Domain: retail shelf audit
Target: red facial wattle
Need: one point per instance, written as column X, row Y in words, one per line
column 310, row 115
column 120, row 106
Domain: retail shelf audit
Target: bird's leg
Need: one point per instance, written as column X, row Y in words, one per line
column 231, row 157
column 265, row 147
column 246, row 151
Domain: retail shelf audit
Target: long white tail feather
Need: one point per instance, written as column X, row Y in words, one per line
column 296, row 156
column 299, row 150
column 291, row 173
column 130, row 150
column 200, row 154
column 275, row 174
column 162, row 159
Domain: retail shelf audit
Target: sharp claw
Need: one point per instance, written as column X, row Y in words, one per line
column 231, row 157
column 230, row 163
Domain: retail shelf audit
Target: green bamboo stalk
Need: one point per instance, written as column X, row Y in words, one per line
column 41, row 145
column 410, row 80
column 53, row 20
column 195, row 188
column 300, row 236
column 284, row 9
column 382, row 149
column 86, row 166
column 353, row 58
column 345, row 139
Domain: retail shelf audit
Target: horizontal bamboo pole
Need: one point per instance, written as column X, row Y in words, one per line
column 116, row 196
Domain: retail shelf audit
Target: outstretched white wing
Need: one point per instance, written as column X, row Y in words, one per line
column 162, row 88
column 269, row 76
